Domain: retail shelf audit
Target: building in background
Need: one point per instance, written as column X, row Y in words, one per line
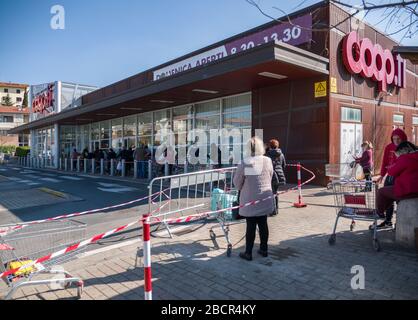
column 311, row 80
column 11, row 117
column 12, row 94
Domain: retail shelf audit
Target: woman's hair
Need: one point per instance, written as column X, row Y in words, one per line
column 406, row 147
column 256, row 146
column 274, row 143
column 367, row 144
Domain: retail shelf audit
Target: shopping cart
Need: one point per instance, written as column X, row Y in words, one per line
column 356, row 200
column 343, row 172
column 221, row 199
column 32, row 242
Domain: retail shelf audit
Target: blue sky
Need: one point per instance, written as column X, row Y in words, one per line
column 105, row 41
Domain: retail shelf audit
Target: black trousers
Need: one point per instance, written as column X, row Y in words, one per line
column 263, row 230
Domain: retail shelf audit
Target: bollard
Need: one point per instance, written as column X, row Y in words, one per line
column 300, row 203
column 93, row 166
column 71, row 164
column 186, row 169
column 135, row 169
column 149, row 170
column 85, row 166
column 78, row 164
column 166, row 169
column 146, row 236
column 112, row 167
column 27, row 161
column 123, row 168
column 65, row 164
column 101, row 167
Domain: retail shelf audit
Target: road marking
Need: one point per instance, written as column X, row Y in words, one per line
column 53, row 192
column 108, row 248
column 87, row 176
column 27, row 171
column 33, row 184
column 3, row 170
column 109, row 185
column 16, row 169
column 71, row 178
column 50, row 180
column 118, row 190
column 14, row 179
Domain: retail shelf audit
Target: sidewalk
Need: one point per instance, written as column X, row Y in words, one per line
column 301, row 264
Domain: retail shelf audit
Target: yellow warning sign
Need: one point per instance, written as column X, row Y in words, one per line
column 320, row 89
column 333, row 85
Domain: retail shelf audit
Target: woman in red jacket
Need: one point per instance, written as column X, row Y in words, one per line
column 398, row 136
column 405, row 172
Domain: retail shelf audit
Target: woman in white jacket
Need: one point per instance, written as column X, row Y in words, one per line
column 253, row 179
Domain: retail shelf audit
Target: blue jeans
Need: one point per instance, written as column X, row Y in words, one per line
column 141, row 169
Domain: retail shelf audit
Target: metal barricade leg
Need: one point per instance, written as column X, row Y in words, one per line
column 123, row 168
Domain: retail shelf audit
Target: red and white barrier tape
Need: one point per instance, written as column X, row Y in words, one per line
column 146, row 222
column 75, row 246
column 202, row 215
column 6, row 230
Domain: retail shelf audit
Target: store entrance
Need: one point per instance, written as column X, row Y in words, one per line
column 351, row 141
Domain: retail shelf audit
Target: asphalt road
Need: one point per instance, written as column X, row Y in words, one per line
column 91, row 192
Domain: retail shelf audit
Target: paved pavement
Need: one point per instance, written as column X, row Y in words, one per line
column 301, row 264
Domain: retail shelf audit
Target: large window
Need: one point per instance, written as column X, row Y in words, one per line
column 105, row 135
column 145, row 128
column 350, row 114
column 230, row 113
column 117, row 134
column 129, row 132
column 8, row 119
column 161, row 121
column 23, row 140
column 398, row 118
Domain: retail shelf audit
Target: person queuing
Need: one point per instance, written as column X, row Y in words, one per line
column 139, row 156
column 398, row 136
column 366, row 162
column 253, row 180
column 279, row 164
column 405, row 172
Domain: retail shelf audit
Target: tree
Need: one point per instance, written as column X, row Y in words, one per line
column 25, row 100
column 7, row 101
column 399, row 17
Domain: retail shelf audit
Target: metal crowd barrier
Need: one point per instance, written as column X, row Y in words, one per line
column 187, row 194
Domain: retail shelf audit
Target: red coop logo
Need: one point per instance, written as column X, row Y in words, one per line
column 361, row 56
column 44, row 101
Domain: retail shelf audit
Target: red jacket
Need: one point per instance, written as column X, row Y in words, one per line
column 405, row 171
column 389, row 157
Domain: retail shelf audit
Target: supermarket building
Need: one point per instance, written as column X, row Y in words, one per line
column 321, row 82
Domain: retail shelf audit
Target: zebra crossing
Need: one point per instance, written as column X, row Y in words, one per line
column 34, row 178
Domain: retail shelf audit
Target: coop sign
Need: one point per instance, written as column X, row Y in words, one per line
column 361, row 56
column 43, row 102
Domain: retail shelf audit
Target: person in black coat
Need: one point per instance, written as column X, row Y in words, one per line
column 279, row 163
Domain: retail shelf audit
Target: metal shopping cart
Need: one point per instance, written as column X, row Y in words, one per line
column 221, row 199
column 356, row 200
column 343, row 172
column 32, row 242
